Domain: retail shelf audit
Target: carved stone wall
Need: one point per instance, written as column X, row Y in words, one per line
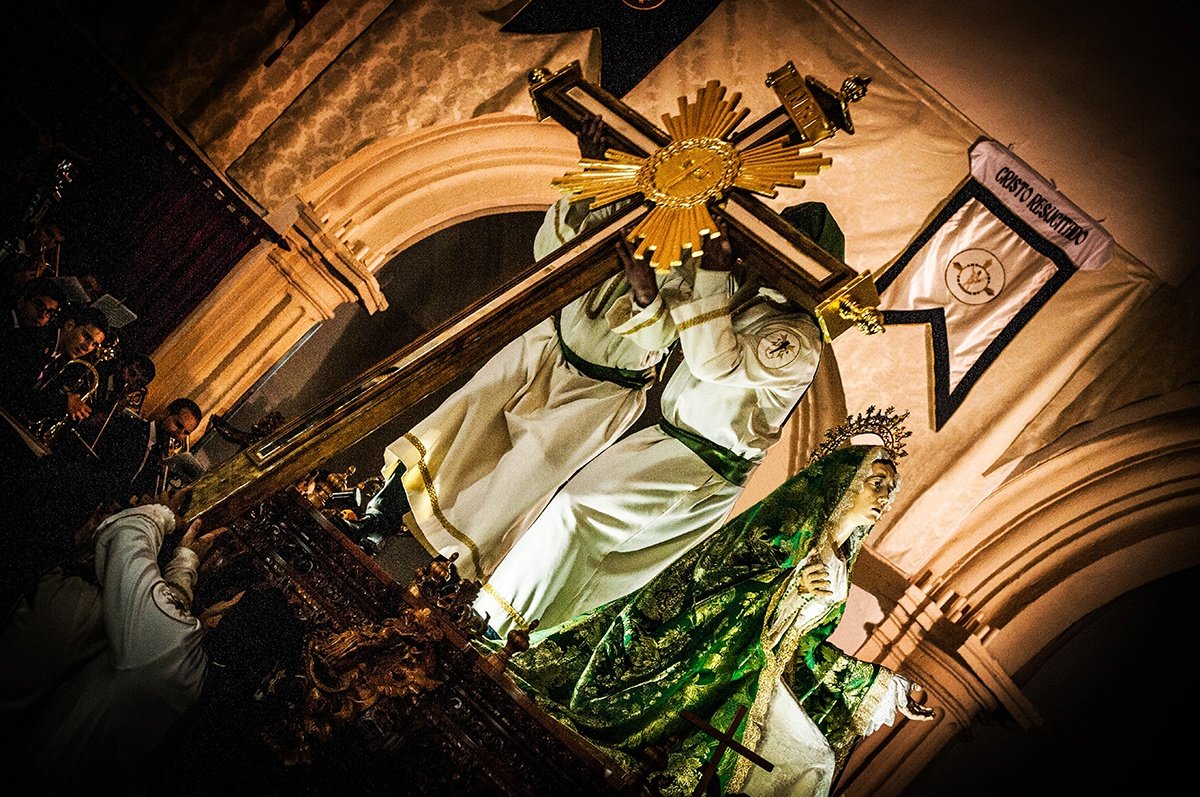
column 254, row 317
column 348, row 224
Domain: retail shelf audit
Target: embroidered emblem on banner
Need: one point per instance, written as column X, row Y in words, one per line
column 992, row 257
column 778, row 347
column 975, row 276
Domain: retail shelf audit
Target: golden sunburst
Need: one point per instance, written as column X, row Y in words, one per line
column 697, row 167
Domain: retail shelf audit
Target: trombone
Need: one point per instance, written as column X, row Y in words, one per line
column 173, row 447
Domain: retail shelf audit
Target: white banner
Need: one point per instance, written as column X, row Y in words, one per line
column 979, row 275
column 1040, row 205
column 994, row 254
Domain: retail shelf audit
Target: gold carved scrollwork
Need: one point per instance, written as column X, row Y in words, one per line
column 868, row 319
column 439, row 584
column 854, row 305
column 367, row 668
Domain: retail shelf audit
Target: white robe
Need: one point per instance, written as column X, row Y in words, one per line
column 481, row 467
column 107, row 706
column 641, row 503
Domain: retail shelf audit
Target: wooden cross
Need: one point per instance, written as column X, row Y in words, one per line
column 725, row 741
column 738, row 166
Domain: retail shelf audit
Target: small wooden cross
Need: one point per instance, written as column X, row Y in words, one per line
column 725, row 741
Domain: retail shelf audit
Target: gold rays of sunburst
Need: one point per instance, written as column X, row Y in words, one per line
column 711, row 116
column 773, row 164
column 603, row 181
column 679, row 179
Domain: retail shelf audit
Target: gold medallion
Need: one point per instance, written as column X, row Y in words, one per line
column 689, row 172
column 698, row 167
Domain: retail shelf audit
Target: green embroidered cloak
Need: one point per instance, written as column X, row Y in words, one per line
column 691, row 639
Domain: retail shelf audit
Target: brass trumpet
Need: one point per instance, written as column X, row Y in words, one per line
column 76, row 376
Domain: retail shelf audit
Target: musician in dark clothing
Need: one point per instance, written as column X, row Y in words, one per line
column 55, row 496
column 134, row 451
column 36, row 305
column 27, row 337
column 58, row 388
column 121, row 388
column 38, row 327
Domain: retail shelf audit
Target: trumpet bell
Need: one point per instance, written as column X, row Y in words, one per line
column 76, row 376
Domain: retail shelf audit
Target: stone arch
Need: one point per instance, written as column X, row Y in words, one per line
column 342, row 228
column 1099, row 514
column 397, row 191
column 1075, row 532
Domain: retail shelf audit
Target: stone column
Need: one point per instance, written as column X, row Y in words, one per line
column 928, row 635
column 262, row 308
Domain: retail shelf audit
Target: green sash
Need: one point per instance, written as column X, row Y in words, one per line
column 726, row 464
column 634, row 380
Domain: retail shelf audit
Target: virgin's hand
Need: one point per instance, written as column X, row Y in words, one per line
column 913, row 708
column 815, row 578
column 916, row 711
column 640, row 274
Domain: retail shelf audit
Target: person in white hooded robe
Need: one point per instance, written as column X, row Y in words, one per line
column 94, row 676
column 749, row 356
column 470, row 477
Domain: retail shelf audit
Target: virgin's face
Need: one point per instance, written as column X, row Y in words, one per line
column 872, row 499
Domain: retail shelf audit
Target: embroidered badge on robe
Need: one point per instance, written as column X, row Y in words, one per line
column 171, row 603
column 778, row 347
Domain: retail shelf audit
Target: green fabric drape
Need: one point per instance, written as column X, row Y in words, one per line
column 623, row 377
column 691, row 638
column 726, row 464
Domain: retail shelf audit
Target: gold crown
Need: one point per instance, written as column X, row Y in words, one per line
column 887, row 425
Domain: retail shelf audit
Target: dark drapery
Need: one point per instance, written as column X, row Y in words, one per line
column 145, row 213
column 184, row 242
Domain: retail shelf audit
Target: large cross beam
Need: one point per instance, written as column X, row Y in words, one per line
column 421, row 368
column 789, row 260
